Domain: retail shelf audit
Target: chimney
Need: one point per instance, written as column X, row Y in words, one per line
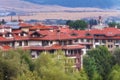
column 116, row 26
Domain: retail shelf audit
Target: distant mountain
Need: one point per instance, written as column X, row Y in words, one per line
column 23, row 7
column 29, row 7
column 79, row 3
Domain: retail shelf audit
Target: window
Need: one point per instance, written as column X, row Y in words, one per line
column 82, row 40
column 76, row 40
column 69, row 42
column 35, row 34
column 20, row 43
column 74, row 34
column 96, row 40
column 88, row 46
column 51, row 42
column 117, row 46
column 88, row 34
column 103, row 41
column 8, row 35
column 25, row 43
column 88, row 40
column 45, row 43
column 117, row 41
column 110, row 46
column 109, row 40
column 21, row 34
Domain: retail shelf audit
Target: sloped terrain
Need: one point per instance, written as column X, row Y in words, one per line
column 24, row 6
column 79, row 3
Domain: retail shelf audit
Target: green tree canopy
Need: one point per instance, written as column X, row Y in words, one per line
column 115, row 73
column 78, row 24
column 18, row 65
column 102, row 60
column 113, row 24
column 116, row 54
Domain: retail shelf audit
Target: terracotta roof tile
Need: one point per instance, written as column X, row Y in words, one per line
column 5, row 47
column 56, row 47
column 24, row 25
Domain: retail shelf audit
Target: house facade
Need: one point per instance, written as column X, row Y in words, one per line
column 40, row 38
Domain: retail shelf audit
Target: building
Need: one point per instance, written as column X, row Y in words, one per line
column 40, row 38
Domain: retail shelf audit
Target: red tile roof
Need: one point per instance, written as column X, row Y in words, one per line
column 2, row 39
column 108, row 32
column 55, row 35
column 56, row 47
column 5, row 47
column 20, row 38
column 25, row 25
column 40, row 27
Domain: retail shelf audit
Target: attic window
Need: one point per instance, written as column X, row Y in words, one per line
column 21, row 34
column 88, row 34
column 58, row 30
column 35, row 35
column 73, row 34
column 8, row 35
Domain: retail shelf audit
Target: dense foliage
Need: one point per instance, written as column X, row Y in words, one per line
column 18, row 65
column 114, row 24
column 78, row 24
column 99, row 64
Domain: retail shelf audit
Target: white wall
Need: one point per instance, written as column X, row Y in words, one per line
column 35, row 43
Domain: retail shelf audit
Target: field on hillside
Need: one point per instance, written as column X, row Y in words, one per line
column 65, row 15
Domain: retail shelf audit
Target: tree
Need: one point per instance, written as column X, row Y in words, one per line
column 96, row 76
column 28, row 75
column 116, row 54
column 92, row 22
column 103, row 60
column 81, row 75
column 112, row 24
column 90, row 66
column 78, row 24
column 115, row 73
column 17, row 65
column 7, row 71
column 13, row 63
column 50, row 67
column 3, row 21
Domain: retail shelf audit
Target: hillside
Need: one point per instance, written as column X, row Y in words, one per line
column 79, row 3
column 24, row 6
column 29, row 10
column 21, row 7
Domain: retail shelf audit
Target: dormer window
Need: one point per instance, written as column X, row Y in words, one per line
column 8, row 35
column 23, row 34
column 74, row 34
column 88, row 34
column 35, row 34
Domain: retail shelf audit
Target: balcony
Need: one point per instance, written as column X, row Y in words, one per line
column 103, row 43
column 75, row 55
column 117, row 43
column 97, row 43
